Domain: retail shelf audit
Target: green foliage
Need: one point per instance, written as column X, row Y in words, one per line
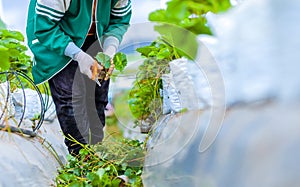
column 103, row 59
column 183, row 20
column 13, row 52
column 160, row 50
column 144, row 97
column 100, row 165
column 145, row 101
column 189, row 14
column 120, row 61
column 13, row 57
column 178, row 26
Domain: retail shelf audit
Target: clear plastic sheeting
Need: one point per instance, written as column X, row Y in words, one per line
column 159, row 127
column 257, row 146
column 31, row 161
column 185, row 87
column 257, row 51
column 182, row 71
column 171, row 96
column 168, row 88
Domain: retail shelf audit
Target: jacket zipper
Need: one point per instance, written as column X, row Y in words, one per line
column 91, row 22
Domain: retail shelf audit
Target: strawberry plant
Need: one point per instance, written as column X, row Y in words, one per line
column 13, row 56
column 13, row 52
column 144, row 97
column 104, row 164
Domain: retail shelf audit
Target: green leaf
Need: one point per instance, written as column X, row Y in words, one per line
column 4, row 58
column 120, row 61
column 128, row 172
column 139, row 172
column 146, row 50
column 77, row 172
column 71, row 158
column 115, row 182
column 14, row 53
column 83, row 152
column 11, row 34
column 124, row 166
column 76, row 184
column 94, row 178
column 153, row 53
column 180, row 39
column 66, row 177
column 177, row 10
column 164, row 53
column 103, row 59
column 158, row 15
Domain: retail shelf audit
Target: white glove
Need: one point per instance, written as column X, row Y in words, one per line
column 85, row 62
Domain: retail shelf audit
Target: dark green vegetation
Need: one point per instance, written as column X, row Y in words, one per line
column 104, row 165
column 13, row 52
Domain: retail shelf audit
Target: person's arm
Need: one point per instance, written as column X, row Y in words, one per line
column 47, row 30
column 49, row 34
column 119, row 22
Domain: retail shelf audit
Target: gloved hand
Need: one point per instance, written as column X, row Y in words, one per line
column 85, row 62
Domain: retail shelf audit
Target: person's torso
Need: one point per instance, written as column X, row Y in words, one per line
column 76, row 23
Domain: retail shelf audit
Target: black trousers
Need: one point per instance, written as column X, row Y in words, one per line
column 80, row 102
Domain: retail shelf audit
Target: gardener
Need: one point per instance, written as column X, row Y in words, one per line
column 59, row 33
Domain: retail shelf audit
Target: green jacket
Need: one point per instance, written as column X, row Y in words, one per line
column 53, row 24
